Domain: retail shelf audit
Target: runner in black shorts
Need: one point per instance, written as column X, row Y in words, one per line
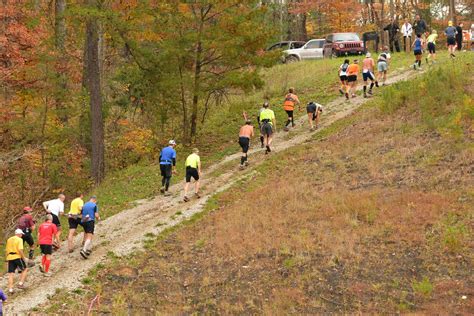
column 245, row 133
column 89, row 227
column 313, row 110
column 27, row 224
column 193, row 170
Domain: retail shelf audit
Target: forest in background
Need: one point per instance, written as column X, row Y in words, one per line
column 89, row 87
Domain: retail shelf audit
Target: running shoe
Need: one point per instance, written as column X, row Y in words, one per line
column 370, row 92
column 197, row 195
column 21, row 286
column 167, row 193
column 83, row 254
column 162, row 190
column 47, row 274
column 341, row 92
column 41, row 269
column 186, row 199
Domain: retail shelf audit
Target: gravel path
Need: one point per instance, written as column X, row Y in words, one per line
column 125, row 231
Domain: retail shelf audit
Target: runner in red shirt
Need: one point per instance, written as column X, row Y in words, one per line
column 46, row 234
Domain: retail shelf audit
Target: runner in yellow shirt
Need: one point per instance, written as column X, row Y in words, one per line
column 16, row 259
column 193, row 170
column 74, row 219
column 268, row 125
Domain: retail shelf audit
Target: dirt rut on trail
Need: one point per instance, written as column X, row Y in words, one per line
column 125, row 231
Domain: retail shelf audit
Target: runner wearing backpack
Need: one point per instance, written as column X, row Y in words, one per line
column 344, row 89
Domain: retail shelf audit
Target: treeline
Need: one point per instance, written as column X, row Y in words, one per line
column 92, row 86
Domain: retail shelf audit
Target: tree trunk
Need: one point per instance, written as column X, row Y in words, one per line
column 95, row 95
column 60, row 37
column 183, row 103
column 197, row 80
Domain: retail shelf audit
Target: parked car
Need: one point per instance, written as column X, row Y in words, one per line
column 311, row 50
column 340, row 44
column 286, row 45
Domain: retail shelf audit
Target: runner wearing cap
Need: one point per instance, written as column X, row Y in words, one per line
column 56, row 208
column 46, row 235
column 16, row 259
column 167, row 165
column 90, row 213
column 368, row 65
column 74, row 219
column 193, row 170
column 268, row 123
column 314, row 111
column 245, row 133
column 27, row 225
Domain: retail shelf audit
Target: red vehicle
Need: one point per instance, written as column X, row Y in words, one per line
column 341, row 44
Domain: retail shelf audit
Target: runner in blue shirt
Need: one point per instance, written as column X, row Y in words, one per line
column 167, row 165
column 90, row 213
column 418, row 45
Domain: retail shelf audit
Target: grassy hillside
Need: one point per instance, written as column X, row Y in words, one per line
column 374, row 215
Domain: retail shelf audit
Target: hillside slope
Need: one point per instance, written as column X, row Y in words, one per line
column 373, row 214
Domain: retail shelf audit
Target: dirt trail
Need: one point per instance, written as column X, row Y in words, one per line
column 126, row 231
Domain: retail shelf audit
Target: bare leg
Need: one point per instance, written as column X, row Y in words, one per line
column 310, row 120
column 58, row 237
column 10, row 280
column 70, row 239
column 269, row 140
column 186, row 187
column 317, row 119
column 23, row 276
column 196, row 187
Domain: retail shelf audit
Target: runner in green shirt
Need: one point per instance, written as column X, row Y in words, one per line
column 268, row 125
column 193, row 170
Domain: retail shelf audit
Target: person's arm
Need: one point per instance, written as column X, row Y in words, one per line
column 55, row 231
column 199, row 166
column 97, row 215
column 252, row 134
column 174, row 162
column 61, row 209
column 45, row 205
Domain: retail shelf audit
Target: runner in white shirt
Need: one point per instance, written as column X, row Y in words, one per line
column 56, row 208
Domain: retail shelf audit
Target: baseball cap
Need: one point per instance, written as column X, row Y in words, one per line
column 27, row 209
column 172, row 142
column 19, row 232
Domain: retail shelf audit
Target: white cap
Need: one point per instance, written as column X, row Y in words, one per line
column 172, row 142
column 19, row 232
column 368, row 55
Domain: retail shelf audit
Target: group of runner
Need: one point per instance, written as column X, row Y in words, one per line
column 453, row 36
column 268, row 126
column 48, row 236
column 349, row 74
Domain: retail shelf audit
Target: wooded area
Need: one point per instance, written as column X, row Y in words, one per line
column 97, row 85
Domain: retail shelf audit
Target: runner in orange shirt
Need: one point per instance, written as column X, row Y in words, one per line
column 352, row 72
column 245, row 133
column 291, row 100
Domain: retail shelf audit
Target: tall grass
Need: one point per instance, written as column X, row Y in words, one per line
column 440, row 98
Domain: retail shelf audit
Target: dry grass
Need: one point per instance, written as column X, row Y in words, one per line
column 374, row 218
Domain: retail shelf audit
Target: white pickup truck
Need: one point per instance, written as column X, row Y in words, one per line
column 311, row 50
